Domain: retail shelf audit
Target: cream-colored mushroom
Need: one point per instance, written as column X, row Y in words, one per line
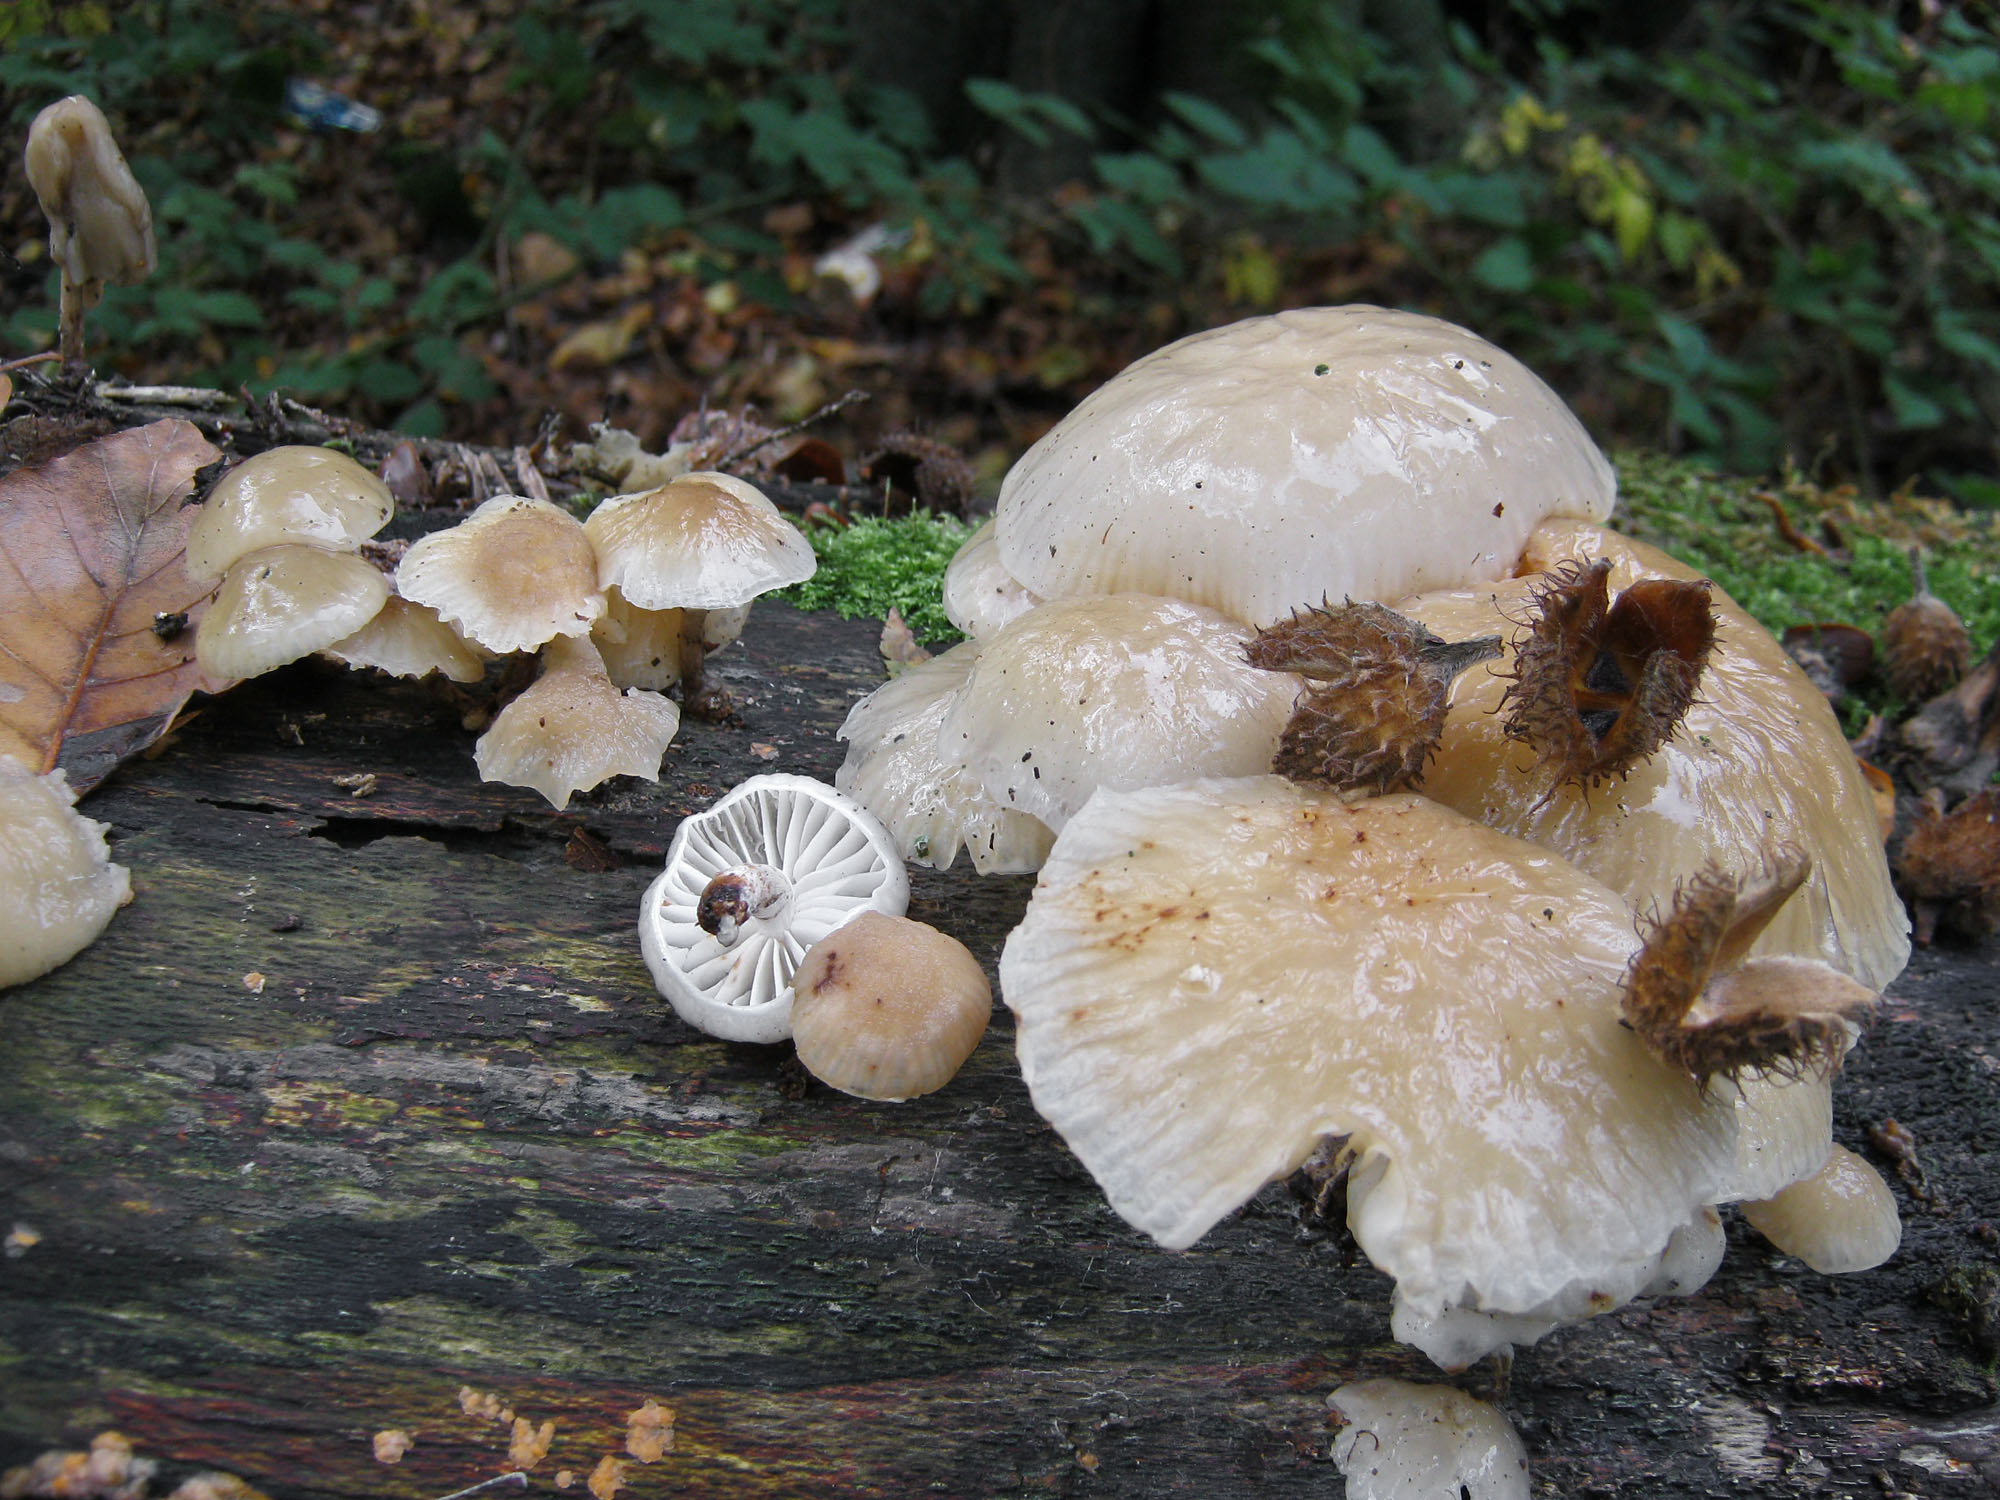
column 291, row 494
column 699, row 543
column 100, row 225
column 1759, row 759
column 409, row 640
column 932, row 806
column 642, row 647
column 980, row 595
column 887, row 1008
column 1841, row 1219
column 572, row 729
column 1214, row 978
column 280, row 603
column 58, row 887
column 1323, row 452
column 1400, row 1441
column 1121, row 691
column 515, row 573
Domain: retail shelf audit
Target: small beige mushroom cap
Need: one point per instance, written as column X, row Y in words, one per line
column 980, row 595
column 281, row 603
column 887, row 1008
column 1119, row 691
column 58, row 887
column 100, row 225
column 290, row 494
column 1841, row 1219
column 515, row 573
column 1212, row 978
column 572, row 729
column 1759, row 760
column 409, row 640
column 702, row 541
column 1323, row 452
column 930, row 805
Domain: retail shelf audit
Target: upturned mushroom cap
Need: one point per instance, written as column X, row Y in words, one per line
column 100, row 225
column 887, row 1008
column 290, row 494
column 513, row 574
column 702, row 541
column 409, row 640
column 1119, row 691
column 58, row 887
column 572, row 729
column 932, row 806
column 1759, row 759
column 1323, row 452
column 1212, row 978
column 980, row 595
column 785, row 860
column 281, row 603
column 1841, row 1219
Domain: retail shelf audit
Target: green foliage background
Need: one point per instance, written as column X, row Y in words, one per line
column 1772, row 237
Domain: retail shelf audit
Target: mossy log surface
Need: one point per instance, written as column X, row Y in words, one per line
column 451, row 1138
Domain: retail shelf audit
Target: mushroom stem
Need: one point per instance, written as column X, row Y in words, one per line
column 703, row 700
column 75, row 301
column 735, row 896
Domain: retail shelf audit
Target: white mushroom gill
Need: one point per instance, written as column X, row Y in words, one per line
column 1211, row 978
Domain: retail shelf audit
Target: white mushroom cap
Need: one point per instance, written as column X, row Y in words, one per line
column 290, row 494
column 887, row 1008
column 1324, row 452
column 1212, row 978
column 1119, row 691
column 100, row 225
column 772, row 868
column 1404, row 1441
column 513, row 574
column 58, row 887
column 1784, row 1130
column 572, row 729
column 932, row 806
column 281, row 603
column 1841, row 1219
column 979, row 594
column 409, row 640
column 702, row 541
column 1758, row 760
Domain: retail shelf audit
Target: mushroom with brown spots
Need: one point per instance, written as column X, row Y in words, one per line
column 887, row 1008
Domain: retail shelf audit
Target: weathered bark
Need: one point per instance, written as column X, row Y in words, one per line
column 456, row 1139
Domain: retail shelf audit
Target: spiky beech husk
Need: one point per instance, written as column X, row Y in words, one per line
column 1949, row 869
column 1377, row 689
column 1600, row 684
column 1926, row 648
column 1699, row 1005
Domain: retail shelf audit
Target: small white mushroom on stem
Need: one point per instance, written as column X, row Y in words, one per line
column 100, row 225
column 572, row 729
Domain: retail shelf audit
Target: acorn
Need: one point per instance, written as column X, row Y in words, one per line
column 1925, row 646
column 1377, row 688
column 1698, row 1003
column 1600, row 684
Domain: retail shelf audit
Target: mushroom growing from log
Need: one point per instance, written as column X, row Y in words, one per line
column 573, row 729
column 511, row 576
column 100, row 225
column 58, row 887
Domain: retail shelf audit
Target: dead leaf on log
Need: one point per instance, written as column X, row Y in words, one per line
column 90, row 564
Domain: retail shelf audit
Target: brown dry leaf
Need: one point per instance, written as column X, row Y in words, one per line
column 97, row 614
column 6, row 389
column 899, row 647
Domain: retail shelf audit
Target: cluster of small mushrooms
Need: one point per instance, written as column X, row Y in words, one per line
column 1399, row 821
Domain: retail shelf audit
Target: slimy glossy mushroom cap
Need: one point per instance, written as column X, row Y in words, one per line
column 702, row 541
column 887, row 1008
column 289, row 494
column 1841, row 1219
column 1330, row 452
column 409, row 640
column 979, row 594
column 515, row 573
column 281, row 603
column 100, row 225
column 58, row 887
column 1402, row 1441
column 573, row 730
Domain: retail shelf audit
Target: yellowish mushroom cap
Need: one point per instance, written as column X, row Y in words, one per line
column 572, row 729
column 980, row 595
column 702, row 541
column 887, row 1008
column 1841, row 1219
column 282, row 603
column 58, row 887
column 100, row 225
column 409, row 640
column 513, row 574
column 289, row 494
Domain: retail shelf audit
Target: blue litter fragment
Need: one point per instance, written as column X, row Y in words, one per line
column 322, row 109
